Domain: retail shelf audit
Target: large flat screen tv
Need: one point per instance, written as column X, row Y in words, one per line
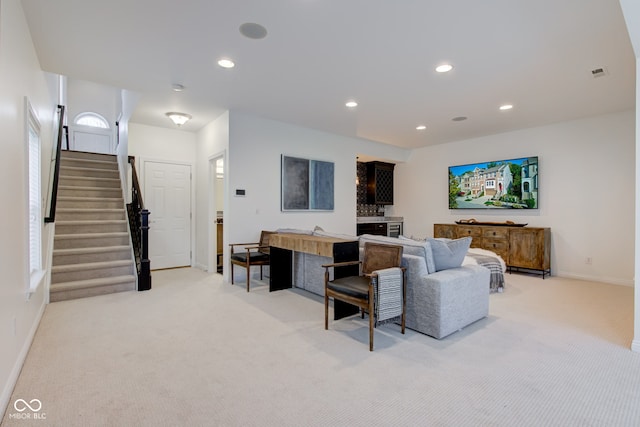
column 499, row 184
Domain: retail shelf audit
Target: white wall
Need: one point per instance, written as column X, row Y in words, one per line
column 20, row 76
column 253, row 164
column 213, row 142
column 631, row 10
column 88, row 96
column 587, row 191
column 154, row 143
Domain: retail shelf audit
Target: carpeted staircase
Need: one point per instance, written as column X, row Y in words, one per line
column 92, row 252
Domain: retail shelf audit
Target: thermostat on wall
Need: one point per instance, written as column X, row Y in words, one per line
column 240, row 192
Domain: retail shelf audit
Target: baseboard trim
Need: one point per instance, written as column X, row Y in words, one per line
column 612, row 281
column 201, row 267
column 15, row 372
column 635, row 346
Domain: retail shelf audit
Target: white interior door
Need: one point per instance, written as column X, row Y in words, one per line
column 94, row 141
column 167, row 195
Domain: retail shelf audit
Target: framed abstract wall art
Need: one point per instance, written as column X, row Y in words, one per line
column 307, row 185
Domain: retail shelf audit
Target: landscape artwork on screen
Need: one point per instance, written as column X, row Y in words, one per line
column 502, row 184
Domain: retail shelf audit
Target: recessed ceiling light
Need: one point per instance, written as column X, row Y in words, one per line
column 253, row 31
column 351, row 104
column 506, row 107
column 177, row 87
column 226, row 63
column 421, row 127
column 444, row 68
column 459, row 119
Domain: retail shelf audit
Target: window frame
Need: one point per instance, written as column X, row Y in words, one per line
column 33, row 150
column 87, row 114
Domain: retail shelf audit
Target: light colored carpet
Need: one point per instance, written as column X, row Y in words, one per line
column 198, row 352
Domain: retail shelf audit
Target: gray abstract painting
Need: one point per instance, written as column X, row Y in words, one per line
column 307, row 184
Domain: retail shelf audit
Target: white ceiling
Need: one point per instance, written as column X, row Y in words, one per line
column 535, row 54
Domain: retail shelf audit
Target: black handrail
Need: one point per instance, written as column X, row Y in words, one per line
column 56, row 173
column 139, row 225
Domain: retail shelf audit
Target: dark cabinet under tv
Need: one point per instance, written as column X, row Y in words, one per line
column 526, row 248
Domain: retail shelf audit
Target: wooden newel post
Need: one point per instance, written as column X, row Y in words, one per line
column 144, row 276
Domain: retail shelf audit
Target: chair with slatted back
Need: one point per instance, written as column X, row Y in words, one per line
column 251, row 254
column 380, row 290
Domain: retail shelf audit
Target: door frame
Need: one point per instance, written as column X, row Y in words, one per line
column 212, row 214
column 192, row 220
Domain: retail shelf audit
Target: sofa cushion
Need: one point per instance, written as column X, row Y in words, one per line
column 449, row 253
column 409, row 247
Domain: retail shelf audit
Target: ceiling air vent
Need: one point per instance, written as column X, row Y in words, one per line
column 599, row 72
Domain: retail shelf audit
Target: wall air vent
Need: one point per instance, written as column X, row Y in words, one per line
column 599, row 72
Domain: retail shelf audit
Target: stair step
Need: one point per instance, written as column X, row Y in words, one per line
column 68, row 154
column 89, row 240
column 91, row 287
column 89, row 255
column 89, row 181
column 92, row 250
column 90, row 226
column 73, row 191
column 80, row 214
column 81, row 170
column 69, row 202
column 90, row 270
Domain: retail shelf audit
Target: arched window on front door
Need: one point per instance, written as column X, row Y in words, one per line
column 91, row 119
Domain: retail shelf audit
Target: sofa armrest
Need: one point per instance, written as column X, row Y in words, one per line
column 440, row 303
column 416, row 268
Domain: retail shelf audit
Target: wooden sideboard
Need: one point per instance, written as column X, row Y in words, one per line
column 526, row 248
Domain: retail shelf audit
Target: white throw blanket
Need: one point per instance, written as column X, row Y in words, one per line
column 491, row 261
column 388, row 301
column 478, row 251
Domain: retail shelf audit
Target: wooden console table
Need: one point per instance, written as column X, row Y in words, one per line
column 284, row 244
column 521, row 248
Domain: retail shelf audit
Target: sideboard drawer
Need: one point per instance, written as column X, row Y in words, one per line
column 495, row 232
column 472, row 231
column 500, row 247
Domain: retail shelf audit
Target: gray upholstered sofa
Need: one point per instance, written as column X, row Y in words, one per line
column 442, row 302
column 439, row 303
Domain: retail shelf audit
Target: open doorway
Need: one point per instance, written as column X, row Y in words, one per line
column 216, row 214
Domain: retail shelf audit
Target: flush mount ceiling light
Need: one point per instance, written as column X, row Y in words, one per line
column 226, row 63
column 178, row 118
column 444, row 68
column 506, row 107
column 421, row 127
column 253, row 31
column 351, row 104
column 177, row 87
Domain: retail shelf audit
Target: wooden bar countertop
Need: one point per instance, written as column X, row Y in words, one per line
column 317, row 245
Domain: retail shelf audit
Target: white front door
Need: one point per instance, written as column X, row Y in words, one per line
column 91, row 141
column 167, row 196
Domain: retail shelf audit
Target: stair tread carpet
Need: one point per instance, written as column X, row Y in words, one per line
column 90, row 265
column 91, row 283
column 101, row 249
column 91, row 235
column 92, row 221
